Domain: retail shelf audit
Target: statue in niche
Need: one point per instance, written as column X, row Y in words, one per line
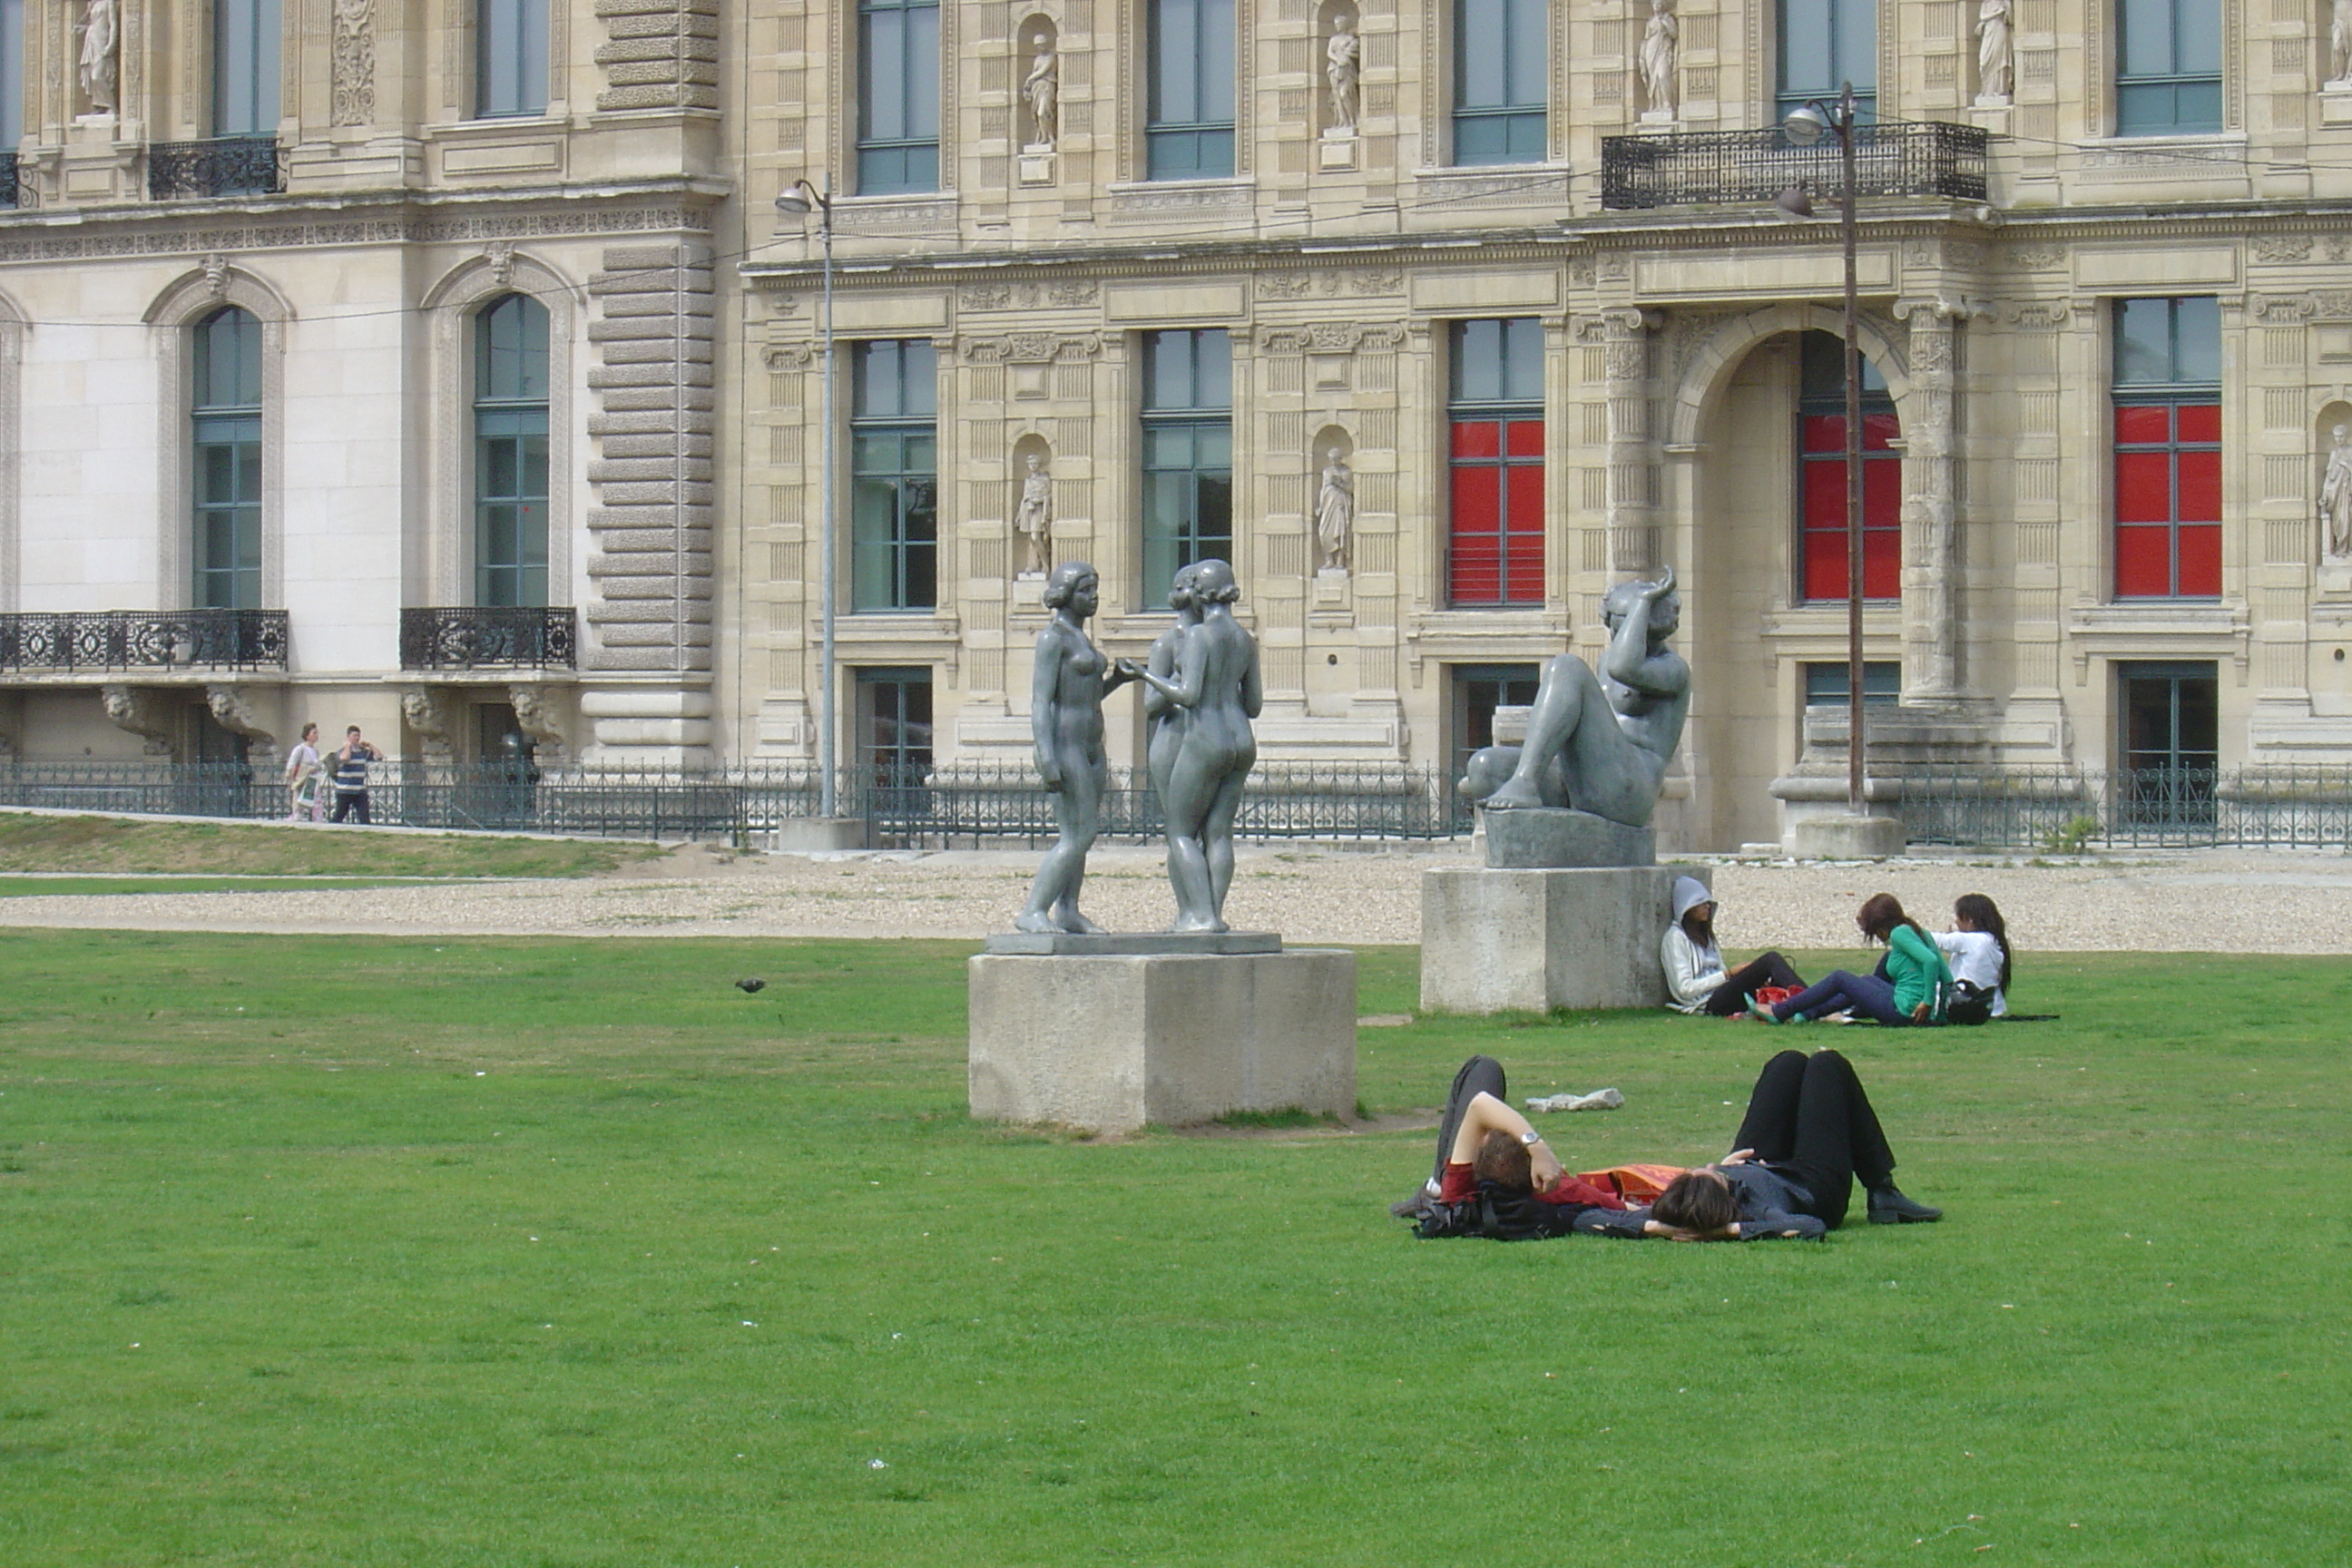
column 1335, row 512
column 2339, row 43
column 1343, row 61
column 2335, row 500
column 98, row 35
column 1662, row 44
column 1600, row 744
column 1034, row 522
column 1992, row 50
column 1216, row 684
column 1043, row 87
column 1065, row 724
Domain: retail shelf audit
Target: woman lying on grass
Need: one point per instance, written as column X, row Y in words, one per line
column 1810, row 1131
column 1495, row 1175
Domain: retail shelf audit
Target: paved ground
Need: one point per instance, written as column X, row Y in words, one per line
column 2232, row 902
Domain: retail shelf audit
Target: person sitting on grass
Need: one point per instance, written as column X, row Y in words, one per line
column 1495, row 1175
column 1977, row 947
column 1910, row 985
column 1809, row 1132
column 1695, row 974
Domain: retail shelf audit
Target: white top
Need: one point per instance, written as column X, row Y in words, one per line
column 301, row 762
column 1693, row 973
column 1975, row 956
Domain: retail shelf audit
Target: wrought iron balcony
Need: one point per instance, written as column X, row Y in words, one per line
column 488, row 638
column 143, row 639
column 220, row 166
column 1751, row 167
column 10, row 181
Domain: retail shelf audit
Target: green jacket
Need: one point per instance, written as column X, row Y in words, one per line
column 1917, row 970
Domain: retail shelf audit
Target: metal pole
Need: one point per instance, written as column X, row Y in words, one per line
column 826, row 719
column 1853, row 744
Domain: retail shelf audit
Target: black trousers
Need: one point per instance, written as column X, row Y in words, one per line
column 351, row 803
column 1808, row 1118
column 1479, row 1073
column 1764, row 968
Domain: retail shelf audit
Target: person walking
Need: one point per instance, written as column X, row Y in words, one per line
column 351, row 760
column 304, row 777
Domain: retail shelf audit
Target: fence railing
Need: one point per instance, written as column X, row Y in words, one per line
column 217, row 167
column 143, row 639
column 11, row 179
column 969, row 806
column 1752, row 167
column 2182, row 808
column 455, row 637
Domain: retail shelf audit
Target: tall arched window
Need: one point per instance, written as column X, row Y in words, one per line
column 510, row 452
column 225, row 416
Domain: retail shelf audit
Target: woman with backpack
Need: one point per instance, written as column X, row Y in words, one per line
column 1977, row 947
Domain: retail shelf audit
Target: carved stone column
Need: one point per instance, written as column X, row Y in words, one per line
column 430, row 713
column 1625, row 341
column 145, row 712
column 233, row 707
column 1931, row 623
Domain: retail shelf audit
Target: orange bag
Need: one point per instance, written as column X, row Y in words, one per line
column 1635, row 1183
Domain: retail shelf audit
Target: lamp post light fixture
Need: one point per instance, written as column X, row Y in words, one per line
column 802, row 199
column 1804, row 127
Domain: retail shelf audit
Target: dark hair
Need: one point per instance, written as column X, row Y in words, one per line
column 1503, row 1160
column 1881, row 913
column 353, row 731
column 1985, row 915
column 1699, row 928
column 1698, row 1199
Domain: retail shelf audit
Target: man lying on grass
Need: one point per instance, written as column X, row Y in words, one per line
column 1809, row 1132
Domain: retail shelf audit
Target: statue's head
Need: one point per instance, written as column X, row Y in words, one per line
column 1625, row 599
column 1213, row 582
column 1181, row 590
column 2341, row 432
column 1073, row 583
column 1035, row 462
column 1342, row 21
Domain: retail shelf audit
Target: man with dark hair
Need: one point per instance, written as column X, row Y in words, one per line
column 1495, row 1175
column 351, row 767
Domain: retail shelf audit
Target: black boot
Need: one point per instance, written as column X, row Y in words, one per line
column 1889, row 1206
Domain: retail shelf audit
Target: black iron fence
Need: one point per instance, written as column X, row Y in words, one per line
column 143, row 639
column 488, row 638
column 1752, row 167
column 2067, row 810
column 217, row 167
column 965, row 808
column 11, row 179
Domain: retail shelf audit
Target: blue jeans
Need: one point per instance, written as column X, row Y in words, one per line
column 1841, row 991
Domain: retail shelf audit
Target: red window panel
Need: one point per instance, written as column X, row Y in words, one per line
column 2144, row 425
column 1822, row 542
column 2200, row 488
column 1497, row 524
column 1526, row 438
column 2199, row 545
column 2198, row 422
column 2143, row 561
column 2167, row 501
column 1477, row 438
column 2143, row 486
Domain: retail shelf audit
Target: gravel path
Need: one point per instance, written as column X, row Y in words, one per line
column 2232, row 902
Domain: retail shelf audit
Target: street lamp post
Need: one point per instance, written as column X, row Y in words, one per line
column 801, row 200
column 1805, row 126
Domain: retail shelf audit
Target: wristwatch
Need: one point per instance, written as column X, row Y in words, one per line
column 1531, row 1138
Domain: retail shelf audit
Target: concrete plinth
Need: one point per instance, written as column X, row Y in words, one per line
column 1497, row 939
column 818, row 834
column 1527, row 838
column 1846, row 838
column 1110, row 1043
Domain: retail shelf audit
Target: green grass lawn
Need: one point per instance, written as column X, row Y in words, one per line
column 112, row 845
column 56, row 887
column 344, row 1251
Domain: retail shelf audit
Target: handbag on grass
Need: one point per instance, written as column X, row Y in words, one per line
column 1636, row 1185
column 1773, row 995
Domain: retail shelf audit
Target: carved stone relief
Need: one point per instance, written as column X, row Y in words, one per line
column 145, row 712
column 352, row 61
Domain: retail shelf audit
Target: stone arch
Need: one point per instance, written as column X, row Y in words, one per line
column 440, row 571
column 189, row 300
column 1711, row 365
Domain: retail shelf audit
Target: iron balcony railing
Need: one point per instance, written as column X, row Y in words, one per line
column 218, row 166
column 143, row 639
column 1752, row 167
column 10, row 186
column 480, row 637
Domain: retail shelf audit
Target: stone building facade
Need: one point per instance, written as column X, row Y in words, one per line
column 355, row 367
column 2079, row 555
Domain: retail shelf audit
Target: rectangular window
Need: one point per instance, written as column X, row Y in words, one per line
column 1825, row 44
column 1494, row 519
column 510, row 58
column 1500, row 50
column 894, row 514
column 1821, row 544
column 510, row 366
column 1189, row 133
column 2171, row 734
column 894, row 736
column 2168, row 435
column 1478, row 690
column 2168, row 68
column 245, row 67
column 1826, row 687
column 899, row 96
column 12, row 73
column 1188, row 453
column 224, row 436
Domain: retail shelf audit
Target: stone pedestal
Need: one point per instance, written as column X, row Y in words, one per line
column 2335, row 103
column 1496, row 940
column 1110, row 1043
column 818, row 834
column 1335, row 150
column 1037, row 165
column 1841, row 835
column 1527, row 838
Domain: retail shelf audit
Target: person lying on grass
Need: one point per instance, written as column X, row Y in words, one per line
column 1809, row 1132
column 1495, row 1175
